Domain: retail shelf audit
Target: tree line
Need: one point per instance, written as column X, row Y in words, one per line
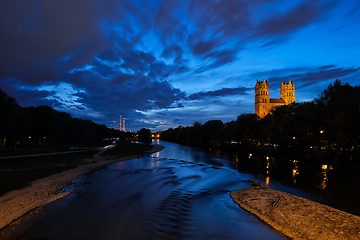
column 328, row 124
column 42, row 125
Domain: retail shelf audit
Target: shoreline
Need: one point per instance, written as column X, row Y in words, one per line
column 17, row 203
column 296, row 217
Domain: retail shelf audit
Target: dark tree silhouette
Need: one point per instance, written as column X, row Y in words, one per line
column 42, row 125
column 328, row 125
column 144, row 135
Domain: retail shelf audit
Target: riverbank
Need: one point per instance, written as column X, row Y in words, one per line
column 16, row 203
column 296, row 217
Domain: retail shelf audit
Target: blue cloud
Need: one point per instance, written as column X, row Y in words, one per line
column 300, row 16
column 316, row 75
column 133, row 57
column 220, row 93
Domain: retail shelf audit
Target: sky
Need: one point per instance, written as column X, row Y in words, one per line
column 163, row 64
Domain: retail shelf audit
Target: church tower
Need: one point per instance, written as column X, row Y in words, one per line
column 262, row 98
column 287, row 92
column 263, row 102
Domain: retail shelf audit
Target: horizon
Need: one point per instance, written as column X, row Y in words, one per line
column 190, row 125
column 163, row 64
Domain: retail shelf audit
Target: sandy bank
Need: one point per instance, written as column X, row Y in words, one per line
column 296, row 217
column 43, row 191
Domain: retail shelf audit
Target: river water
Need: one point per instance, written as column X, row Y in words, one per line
column 178, row 193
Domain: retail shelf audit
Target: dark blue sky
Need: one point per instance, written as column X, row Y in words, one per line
column 162, row 64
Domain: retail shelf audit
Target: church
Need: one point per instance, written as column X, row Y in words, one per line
column 264, row 104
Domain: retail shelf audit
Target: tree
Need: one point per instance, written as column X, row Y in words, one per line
column 42, row 125
column 144, row 135
column 214, row 134
column 341, row 103
column 10, row 113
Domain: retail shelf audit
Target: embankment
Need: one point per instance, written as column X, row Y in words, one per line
column 296, row 217
column 43, row 191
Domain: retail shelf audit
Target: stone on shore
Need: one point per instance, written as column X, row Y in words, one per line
column 296, row 217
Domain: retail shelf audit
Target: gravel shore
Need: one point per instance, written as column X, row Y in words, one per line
column 43, row 191
column 296, row 217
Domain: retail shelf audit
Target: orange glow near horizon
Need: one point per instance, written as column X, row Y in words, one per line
column 267, row 179
column 295, row 171
column 325, row 171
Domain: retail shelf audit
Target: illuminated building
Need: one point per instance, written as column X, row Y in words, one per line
column 264, row 104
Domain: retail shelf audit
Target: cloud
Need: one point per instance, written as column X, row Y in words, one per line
column 160, row 70
column 39, row 43
column 172, row 51
column 37, row 31
column 225, row 109
column 223, row 28
column 137, row 61
column 45, row 72
column 176, row 52
column 41, row 39
column 203, row 47
column 227, row 18
column 110, row 55
column 316, row 75
column 123, row 57
column 217, row 59
column 26, row 96
column 121, row 78
column 220, row 93
column 300, row 16
column 128, row 96
column 168, row 23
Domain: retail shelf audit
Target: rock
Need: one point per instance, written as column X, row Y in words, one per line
column 296, row 217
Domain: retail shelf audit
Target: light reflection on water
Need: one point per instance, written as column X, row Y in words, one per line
column 295, row 170
column 267, row 179
column 155, row 141
column 182, row 193
column 336, row 186
column 324, row 173
column 178, row 193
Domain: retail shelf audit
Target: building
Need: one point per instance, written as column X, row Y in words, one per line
column 264, row 104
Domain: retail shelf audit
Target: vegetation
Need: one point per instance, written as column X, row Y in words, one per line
column 144, row 135
column 44, row 126
column 326, row 126
column 41, row 130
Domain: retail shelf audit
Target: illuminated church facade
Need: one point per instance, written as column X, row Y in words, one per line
column 264, row 104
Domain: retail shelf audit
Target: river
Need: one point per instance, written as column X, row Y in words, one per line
column 178, row 193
